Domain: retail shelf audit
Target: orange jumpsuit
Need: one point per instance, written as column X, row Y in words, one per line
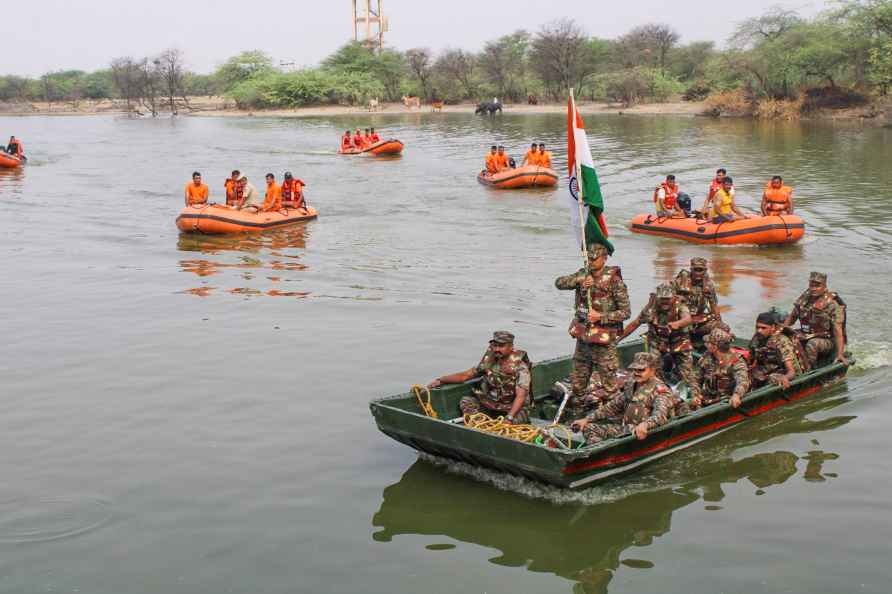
column 492, row 163
column 346, row 143
column 293, row 193
column 273, row 199
column 502, row 161
column 375, row 138
column 544, row 159
column 532, row 157
column 357, row 141
column 196, row 194
column 231, row 192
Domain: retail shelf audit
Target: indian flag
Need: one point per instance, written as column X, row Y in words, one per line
column 584, row 183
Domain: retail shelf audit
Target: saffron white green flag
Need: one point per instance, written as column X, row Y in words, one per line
column 586, row 186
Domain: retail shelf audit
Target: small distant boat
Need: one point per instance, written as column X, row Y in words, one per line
column 756, row 230
column 528, row 176
column 391, row 146
column 217, row 218
column 8, row 161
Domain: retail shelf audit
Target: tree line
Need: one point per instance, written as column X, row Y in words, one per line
column 841, row 55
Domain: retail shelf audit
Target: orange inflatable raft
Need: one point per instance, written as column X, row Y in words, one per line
column 10, row 161
column 756, row 230
column 391, row 146
column 217, row 218
column 529, row 176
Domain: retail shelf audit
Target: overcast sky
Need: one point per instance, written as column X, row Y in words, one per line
column 64, row 34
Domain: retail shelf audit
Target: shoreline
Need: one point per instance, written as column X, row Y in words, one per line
column 218, row 107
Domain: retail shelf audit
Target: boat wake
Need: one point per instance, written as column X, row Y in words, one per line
column 871, row 355
column 604, row 493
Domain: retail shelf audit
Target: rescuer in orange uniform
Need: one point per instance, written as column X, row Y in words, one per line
column 777, row 199
column 544, row 156
column 231, row 186
column 196, row 192
column 292, row 191
column 273, row 199
column 531, row 157
column 492, row 166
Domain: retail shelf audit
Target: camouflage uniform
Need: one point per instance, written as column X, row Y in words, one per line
column 501, row 377
column 817, row 318
column 610, row 297
column 724, row 375
column 675, row 344
column 701, row 300
column 769, row 355
column 651, row 402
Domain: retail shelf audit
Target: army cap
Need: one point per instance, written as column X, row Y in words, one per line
column 818, row 277
column 596, row 250
column 644, row 360
column 698, row 263
column 665, row 291
column 502, row 337
column 718, row 336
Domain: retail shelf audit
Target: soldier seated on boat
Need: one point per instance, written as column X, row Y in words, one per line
column 668, row 321
column 695, row 288
column 505, row 386
column 776, row 358
column 822, row 321
column 644, row 404
column 721, row 373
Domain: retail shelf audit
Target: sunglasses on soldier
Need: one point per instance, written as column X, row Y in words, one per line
column 698, row 269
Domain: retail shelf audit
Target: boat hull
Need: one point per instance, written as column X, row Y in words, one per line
column 759, row 230
column 218, row 219
column 8, row 161
column 529, row 176
column 400, row 418
column 382, row 148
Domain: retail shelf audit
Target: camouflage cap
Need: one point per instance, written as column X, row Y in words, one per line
column 502, row 337
column 718, row 336
column 596, row 250
column 644, row 360
column 665, row 291
column 818, row 277
column 698, row 262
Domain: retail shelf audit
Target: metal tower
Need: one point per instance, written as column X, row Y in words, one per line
column 373, row 22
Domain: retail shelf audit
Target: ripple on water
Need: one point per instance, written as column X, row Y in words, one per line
column 871, row 354
column 41, row 519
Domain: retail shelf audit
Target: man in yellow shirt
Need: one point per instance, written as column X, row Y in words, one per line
column 723, row 209
column 196, row 192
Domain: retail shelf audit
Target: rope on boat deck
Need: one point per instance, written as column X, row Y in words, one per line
column 426, row 406
column 526, row 433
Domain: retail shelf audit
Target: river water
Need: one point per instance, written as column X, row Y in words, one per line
column 189, row 414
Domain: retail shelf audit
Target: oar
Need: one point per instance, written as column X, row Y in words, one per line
column 560, row 411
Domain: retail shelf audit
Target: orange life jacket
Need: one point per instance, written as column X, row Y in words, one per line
column 671, row 199
column 777, row 199
column 375, row 138
column 346, row 143
column 492, row 165
column 545, row 159
column 357, row 140
column 293, row 192
column 231, row 190
column 17, row 145
column 714, row 187
column 502, row 160
column 532, row 157
column 196, row 194
column 367, row 140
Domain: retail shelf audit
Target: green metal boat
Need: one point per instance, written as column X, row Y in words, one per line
column 401, row 418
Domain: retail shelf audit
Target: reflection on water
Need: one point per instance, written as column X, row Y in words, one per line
column 279, row 249
column 586, row 541
column 11, row 181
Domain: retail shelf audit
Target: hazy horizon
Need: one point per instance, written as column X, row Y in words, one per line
column 306, row 32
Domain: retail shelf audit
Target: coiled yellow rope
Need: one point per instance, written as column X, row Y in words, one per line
column 499, row 426
column 426, row 406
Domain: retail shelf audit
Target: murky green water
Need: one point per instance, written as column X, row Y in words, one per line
column 190, row 415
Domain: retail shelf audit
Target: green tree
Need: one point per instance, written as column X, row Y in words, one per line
column 242, row 67
column 503, row 64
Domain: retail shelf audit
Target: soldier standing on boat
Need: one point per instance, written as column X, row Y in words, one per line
column 721, row 373
column 776, row 358
column 822, row 321
column 601, row 306
column 505, row 386
column 644, row 404
column 696, row 289
column 668, row 320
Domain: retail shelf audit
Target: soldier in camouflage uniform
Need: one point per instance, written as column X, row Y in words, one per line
column 774, row 355
column 668, row 321
column 595, row 328
column 644, row 404
column 696, row 289
column 722, row 374
column 822, row 321
column 505, row 389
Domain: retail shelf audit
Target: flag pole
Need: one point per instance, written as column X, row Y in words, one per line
column 579, row 191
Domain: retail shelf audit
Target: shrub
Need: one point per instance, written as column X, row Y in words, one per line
column 735, row 103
